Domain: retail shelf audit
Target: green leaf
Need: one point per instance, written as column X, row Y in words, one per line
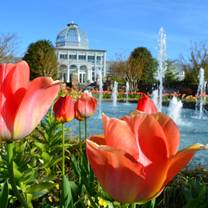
column 4, row 195
column 66, row 195
column 17, row 173
column 39, row 190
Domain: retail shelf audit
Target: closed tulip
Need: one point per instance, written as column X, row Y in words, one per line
column 137, row 156
column 145, row 104
column 23, row 103
column 86, row 105
column 64, row 109
column 77, row 114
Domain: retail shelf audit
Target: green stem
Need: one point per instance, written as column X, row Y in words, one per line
column 63, row 151
column 153, row 203
column 133, row 205
column 10, row 159
column 85, row 128
column 80, row 131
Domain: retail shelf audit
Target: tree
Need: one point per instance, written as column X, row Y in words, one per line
column 7, row 48
column 118, row 70
column 198, row 58
column 141, row 67
column 170, row 74
column 42, row 59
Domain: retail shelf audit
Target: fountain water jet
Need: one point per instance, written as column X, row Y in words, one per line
column 127, row 92
column 162, row 65
column 155, row 97
column 174, row 110
column 200, row 95
column 115, row 93
column 100, row 94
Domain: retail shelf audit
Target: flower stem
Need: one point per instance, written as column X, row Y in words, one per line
column 10, row 159
column 80, row 131
column 63, row 150
column 85, row 128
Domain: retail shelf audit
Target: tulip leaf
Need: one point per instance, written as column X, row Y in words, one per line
column 39, row 190
column 17, row 173
column 4, row 195
column 66, row 195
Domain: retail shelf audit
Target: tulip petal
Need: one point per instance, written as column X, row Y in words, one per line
column 14, row 80
column 181, row 159
column 118, row 172
column 35, row 104
column 171, row 131
column 152, row 140
column 145, row 104
column 119, row 135
column 4, row 130
column 17, row 78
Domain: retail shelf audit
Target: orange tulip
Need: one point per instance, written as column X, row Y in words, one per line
column 64, row 109
column 76, row 113
column 146, row 105
column 86, row 105
column 137, row 156
column 23, row 103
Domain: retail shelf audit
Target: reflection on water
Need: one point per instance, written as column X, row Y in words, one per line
column 192, row 130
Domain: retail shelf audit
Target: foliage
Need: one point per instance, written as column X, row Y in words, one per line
column 42, row 59
column 189, row 190
column 138, row 70
column 170, row 74
column 7, row 47
column 118, row 70
column 198, row 58
column 141, row 67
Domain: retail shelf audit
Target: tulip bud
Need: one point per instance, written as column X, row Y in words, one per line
column 86, row 105
column 145, row 104
column 64, row 109
column 77, row 114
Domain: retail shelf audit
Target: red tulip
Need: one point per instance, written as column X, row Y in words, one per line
column 23, row 103
column 137, row 156
column 146, row 105
column 86, row 105
column 64, row 109
column 76, row 113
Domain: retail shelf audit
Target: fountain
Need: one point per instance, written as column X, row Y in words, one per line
column 201, row 91
column 174, row 110
column 115, row 93
column 155, row 97
column 127, row 92
column 100, row 94
column 162, row 65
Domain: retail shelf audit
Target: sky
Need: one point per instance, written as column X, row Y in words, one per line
column 117, row 26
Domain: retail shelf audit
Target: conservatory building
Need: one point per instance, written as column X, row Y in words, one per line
column 76, row 60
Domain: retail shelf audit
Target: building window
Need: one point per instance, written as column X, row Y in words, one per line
column 91, row 59
column 82, row 77
column 82, row 57
column 63, row 56
column 98, row 59
column 73, row 57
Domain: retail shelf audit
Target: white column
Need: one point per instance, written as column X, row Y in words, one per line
column 89, row 74
column 68, row 74
column 78, row 71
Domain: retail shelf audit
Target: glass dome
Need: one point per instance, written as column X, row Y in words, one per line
column 72, row 37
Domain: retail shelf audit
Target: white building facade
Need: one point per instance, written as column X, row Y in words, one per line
column 76, row 60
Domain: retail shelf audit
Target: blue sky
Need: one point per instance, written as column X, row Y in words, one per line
column 118, row 26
